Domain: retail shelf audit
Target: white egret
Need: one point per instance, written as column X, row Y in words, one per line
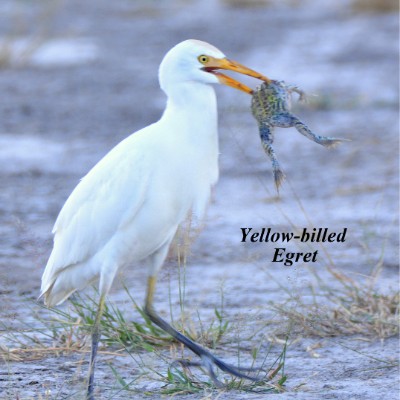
column 128, row 207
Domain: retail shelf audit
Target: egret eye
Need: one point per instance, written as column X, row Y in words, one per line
column 203, row 59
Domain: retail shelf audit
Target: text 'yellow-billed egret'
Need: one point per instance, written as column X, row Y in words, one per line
column 128, row 207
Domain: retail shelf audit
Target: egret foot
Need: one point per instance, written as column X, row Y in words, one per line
column 208, row 360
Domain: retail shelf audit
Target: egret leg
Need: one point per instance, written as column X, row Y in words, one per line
column 95, row 344
column 208, row 360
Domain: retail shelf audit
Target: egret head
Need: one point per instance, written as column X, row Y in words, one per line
column 197, row 61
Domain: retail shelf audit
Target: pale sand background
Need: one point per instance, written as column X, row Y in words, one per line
column 78, row 77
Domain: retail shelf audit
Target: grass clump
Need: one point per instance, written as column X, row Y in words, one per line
column 375, row 6
column 182, row 381
column 116, row 330
column 66, row 330
column 343, row 306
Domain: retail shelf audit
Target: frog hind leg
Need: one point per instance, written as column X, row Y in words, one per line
column 283, row 120
column 329, row 142
column 266, row 135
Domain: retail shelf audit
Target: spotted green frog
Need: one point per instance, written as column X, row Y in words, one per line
column 271, row 103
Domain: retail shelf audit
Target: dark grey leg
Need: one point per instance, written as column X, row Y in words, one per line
column 95, row 344
column 207, row 359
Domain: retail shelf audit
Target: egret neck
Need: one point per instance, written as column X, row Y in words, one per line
column 194, row 101
column 191, row 121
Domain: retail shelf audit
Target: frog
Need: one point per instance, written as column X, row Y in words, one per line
column 270, row 106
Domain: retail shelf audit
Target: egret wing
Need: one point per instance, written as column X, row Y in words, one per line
column 110, row 194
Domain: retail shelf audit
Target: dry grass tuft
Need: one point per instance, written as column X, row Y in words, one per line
column 353, row 309
column 27, row 34
column 374, row 6
column 247, row 3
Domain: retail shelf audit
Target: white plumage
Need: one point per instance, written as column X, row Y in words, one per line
column 127, row 209
column 131, row 203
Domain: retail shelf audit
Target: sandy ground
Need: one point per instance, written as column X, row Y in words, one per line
column 78, row 77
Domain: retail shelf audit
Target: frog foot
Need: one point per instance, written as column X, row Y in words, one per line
column 279, row 176
column 330, row 142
